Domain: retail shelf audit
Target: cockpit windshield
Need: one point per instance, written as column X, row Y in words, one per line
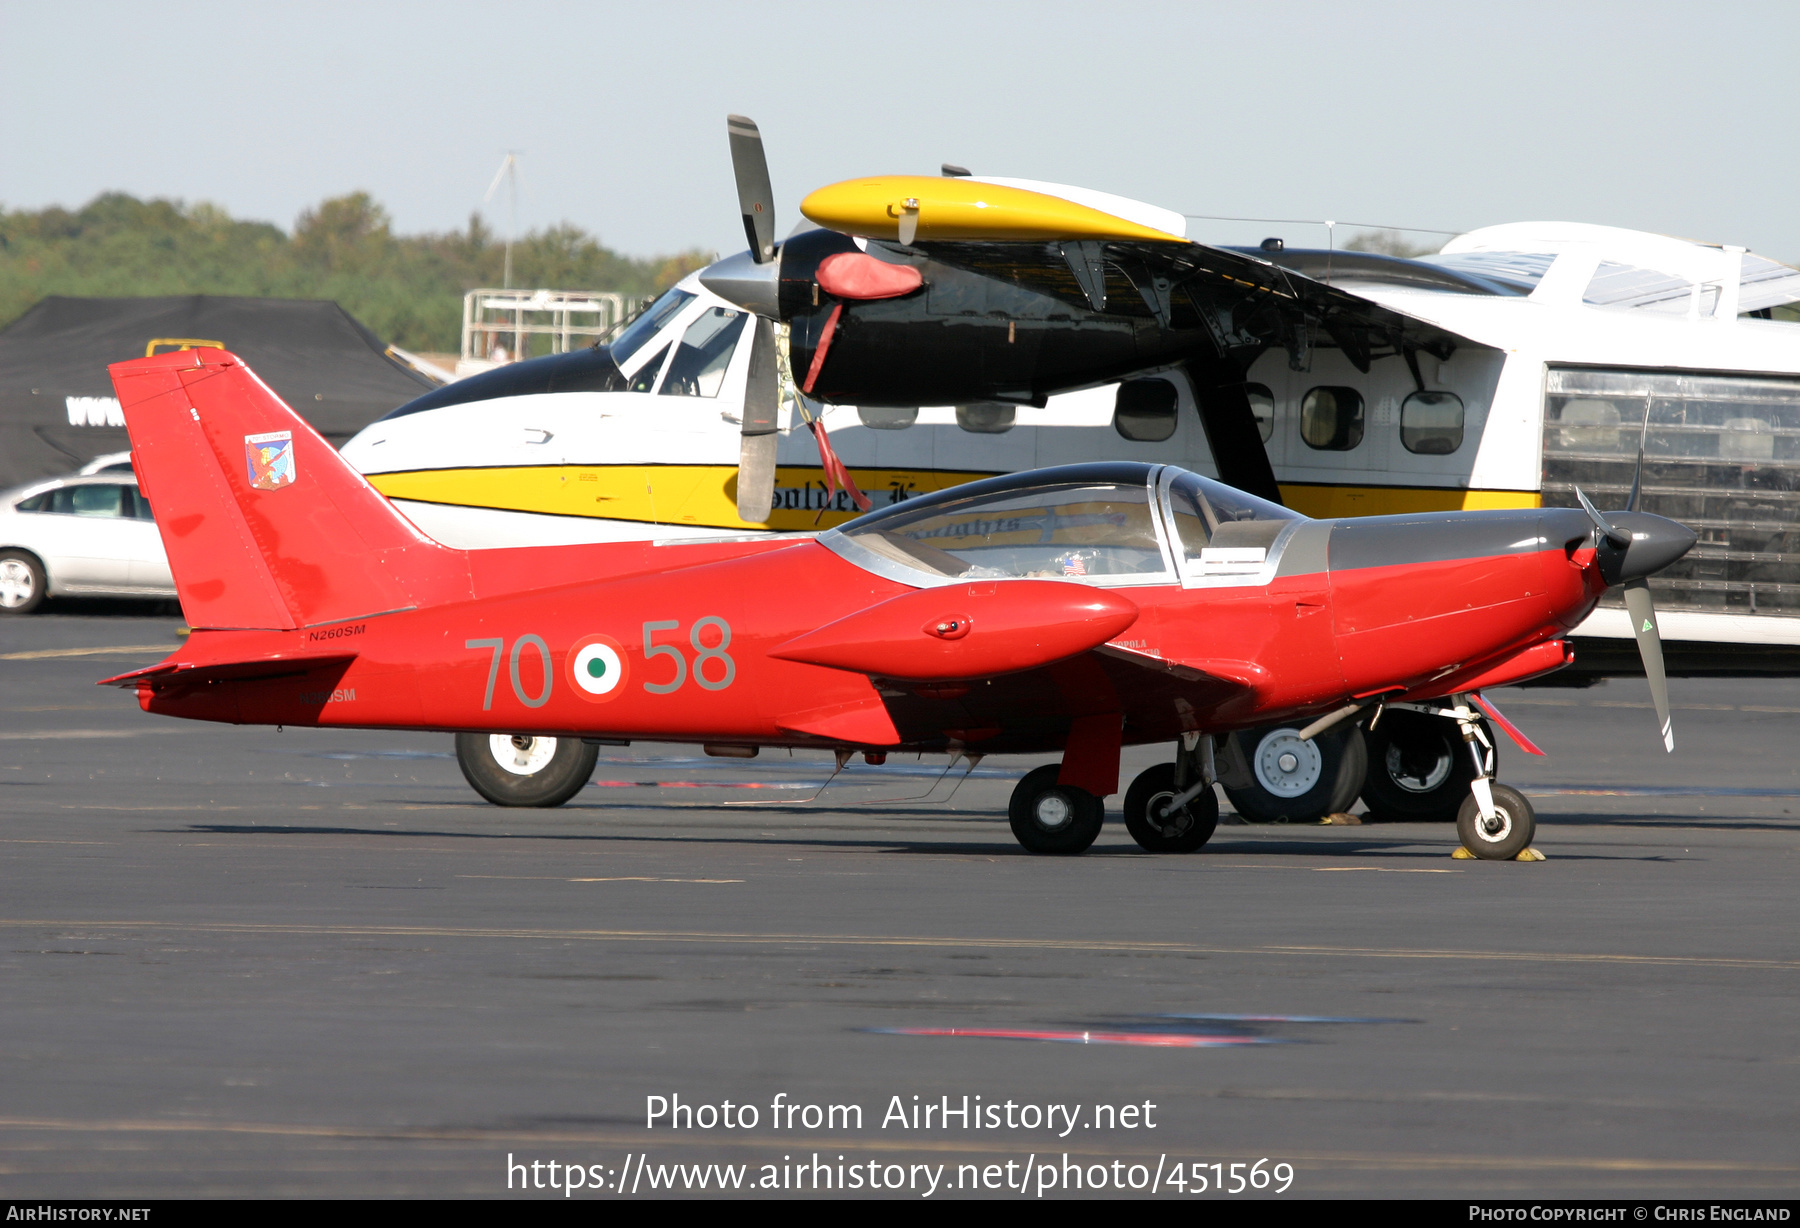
column 1079, row 522
column 647, row 325
column 1220, row 529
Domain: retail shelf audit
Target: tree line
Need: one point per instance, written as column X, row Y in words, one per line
column 407, row 288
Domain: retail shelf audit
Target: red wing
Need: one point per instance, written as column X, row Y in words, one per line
column 1032, row 709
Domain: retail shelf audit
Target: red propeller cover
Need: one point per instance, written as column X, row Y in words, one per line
column 854, row 275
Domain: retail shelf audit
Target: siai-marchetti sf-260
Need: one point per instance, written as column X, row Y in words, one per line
column 1068, row 610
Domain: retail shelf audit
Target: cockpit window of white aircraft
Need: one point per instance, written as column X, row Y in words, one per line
column 646, row 326
column 645, row 379
column 698, row 369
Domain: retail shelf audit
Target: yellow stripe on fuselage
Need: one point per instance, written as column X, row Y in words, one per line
column 705, row 496
column 1332, row 502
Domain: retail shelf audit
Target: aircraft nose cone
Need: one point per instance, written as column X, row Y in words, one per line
column 752, row 286
column 1655, row 543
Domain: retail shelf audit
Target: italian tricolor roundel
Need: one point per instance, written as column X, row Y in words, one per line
column 596, row 665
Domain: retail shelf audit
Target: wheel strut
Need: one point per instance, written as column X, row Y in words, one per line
column 1185, row 763
column 1481, row 750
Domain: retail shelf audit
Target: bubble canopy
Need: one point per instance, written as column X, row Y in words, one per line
column 1109, row 524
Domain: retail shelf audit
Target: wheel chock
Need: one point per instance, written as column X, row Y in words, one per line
column 1340, row 819
column 1463, row 854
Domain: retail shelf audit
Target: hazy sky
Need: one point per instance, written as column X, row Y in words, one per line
column 1672, row 117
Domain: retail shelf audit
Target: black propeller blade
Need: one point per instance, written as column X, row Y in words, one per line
column 1618, row 537
column 756, row 199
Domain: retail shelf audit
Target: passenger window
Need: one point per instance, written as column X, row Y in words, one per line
column 637, row 334
column 1431, row 423
column 1045, row 532
column 1144, row 410
column 1262, row 405
column 1331, row 419
column 87, row 500
column 39, row 502
column 645, row 379
column 706, row 348
column 137, row 507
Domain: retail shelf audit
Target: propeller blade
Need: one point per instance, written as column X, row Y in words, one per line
column 756, row 199
column 1649, row 642
column 762, row 406
column 1617, row 537
column 756, row 478
column 1637, row 476
column 1637, row 482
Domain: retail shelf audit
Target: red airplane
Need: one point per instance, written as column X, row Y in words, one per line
column 1074, row 609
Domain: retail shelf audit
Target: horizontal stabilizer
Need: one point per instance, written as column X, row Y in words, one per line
column 190, row 673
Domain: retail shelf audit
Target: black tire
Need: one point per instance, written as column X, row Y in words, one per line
column 22, row 582
column 559, row 776
column 1518, row 824
column 1051, row 818
column 1185, row 831
column 1330, row 784
column 1419, row 768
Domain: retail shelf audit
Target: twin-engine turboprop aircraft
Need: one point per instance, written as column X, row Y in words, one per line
column 1073, row 609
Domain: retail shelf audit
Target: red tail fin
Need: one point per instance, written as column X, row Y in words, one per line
column 265, row 524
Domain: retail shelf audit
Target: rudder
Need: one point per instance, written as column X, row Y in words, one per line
column 265, row 525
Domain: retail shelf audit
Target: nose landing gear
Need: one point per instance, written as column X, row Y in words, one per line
column 1495, row 821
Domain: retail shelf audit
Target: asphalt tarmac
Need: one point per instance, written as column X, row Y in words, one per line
column 238, row 961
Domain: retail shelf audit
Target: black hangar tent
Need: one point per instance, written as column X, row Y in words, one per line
column 57, row 406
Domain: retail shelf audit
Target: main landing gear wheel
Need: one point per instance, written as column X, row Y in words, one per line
column 1419, row 768
column 1051, row 818
column 21, row 583
column 521, row 770
column 1504, row 837
column 1299, row 782
column 1183, row 831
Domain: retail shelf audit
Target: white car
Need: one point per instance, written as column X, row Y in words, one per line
column 88, row 535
